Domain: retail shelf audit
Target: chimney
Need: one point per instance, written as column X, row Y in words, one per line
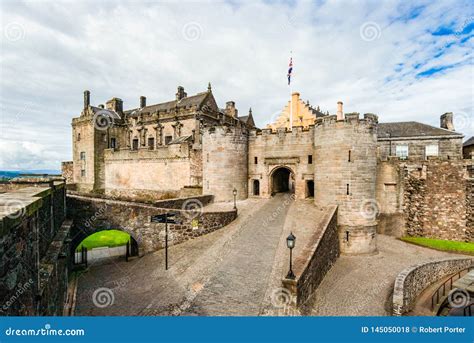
column 180, row 94
column 115, row 104
column 340, row 111
column 87, row 99
column 230, row 109
column 142, row 101
column 446, row 121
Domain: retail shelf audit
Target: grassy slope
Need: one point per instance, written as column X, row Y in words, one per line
column 107, row 238
column 439, row 244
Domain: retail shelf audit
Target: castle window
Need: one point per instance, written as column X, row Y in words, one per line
column 79, row 136
column 83, row 156
column 402, row 151
column 135, row 144
column 310, row 159
column 349, row 156
column 347, row 189
column 113, row 143
column 151, row 143
column 431, row 150
column 255, row 160
column 207, row 157
column 83, row 172
column 168, row 139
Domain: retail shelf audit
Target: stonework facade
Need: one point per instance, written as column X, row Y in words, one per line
column 189, row 146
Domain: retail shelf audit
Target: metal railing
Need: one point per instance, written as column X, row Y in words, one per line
column 446, row 289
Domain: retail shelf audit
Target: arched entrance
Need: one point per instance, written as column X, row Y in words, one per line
column 104, row 245
column 256, row 187
column 282, row 180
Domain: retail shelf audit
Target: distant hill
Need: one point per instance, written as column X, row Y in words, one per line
column 10, row 174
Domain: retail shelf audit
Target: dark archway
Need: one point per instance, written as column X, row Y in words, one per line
column 256, row 187
column 281, row 180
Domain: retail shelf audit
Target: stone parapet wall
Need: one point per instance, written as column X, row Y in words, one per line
column 316, row 260
column 413, row 280
column 91, row 215
column 432, row 198
column 33, row 250
column 437, row 200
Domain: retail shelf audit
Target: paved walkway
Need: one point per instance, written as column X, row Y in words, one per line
column 363, row 285
column 222, row 273
column 237, row 270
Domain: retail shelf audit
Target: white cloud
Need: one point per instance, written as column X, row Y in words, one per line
column 128, row 49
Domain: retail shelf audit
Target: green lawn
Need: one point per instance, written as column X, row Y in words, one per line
column 440, row 244
column 107, row 238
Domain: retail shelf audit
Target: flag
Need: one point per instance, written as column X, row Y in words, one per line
column 290, row 69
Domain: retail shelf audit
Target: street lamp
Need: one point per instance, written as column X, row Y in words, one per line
column 290, row 243
column 234, row 192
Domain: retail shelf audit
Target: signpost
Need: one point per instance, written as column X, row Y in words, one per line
column 166, row 218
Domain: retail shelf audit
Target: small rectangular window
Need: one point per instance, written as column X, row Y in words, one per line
column 83, row 155
column 431, row 150
column 135, row 144
column 347, row 189
column 83, row 172
column 349, row 157
column 151, row 143
column 113, row 143
column 168, row 139
column 310, row 159
column 255, row 159
column 402, row 151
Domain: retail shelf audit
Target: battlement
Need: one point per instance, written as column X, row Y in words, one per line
column 353, row 118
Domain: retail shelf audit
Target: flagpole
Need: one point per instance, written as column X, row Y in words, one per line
column 291, row 95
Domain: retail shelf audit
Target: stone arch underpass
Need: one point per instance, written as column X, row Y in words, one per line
column 90, row 215
column 281, row 180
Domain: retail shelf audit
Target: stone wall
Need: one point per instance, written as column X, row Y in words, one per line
column 436, row 200
column 225, row 158
column 345, row 175
column 34, row 251
column 281, row 148
column 316, row 260
column 448, row 147
column 91, row 215
column 413, row 280
column 431, row 198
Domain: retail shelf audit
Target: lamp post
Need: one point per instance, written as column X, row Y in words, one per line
column 234, row 192
column 290, row 243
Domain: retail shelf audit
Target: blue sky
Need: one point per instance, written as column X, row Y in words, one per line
column 402, row 60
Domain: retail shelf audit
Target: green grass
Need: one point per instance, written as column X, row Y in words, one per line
column 107, row 238
column 440, row 244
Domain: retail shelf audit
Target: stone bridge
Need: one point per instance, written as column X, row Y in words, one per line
column 94, row 214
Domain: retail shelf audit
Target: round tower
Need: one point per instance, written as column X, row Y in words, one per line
column 225, row 162
column 345, row 169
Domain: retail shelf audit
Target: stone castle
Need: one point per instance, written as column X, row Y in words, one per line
column 398, row 178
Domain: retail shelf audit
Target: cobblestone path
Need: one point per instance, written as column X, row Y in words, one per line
column 238, row 285
column 223, row 273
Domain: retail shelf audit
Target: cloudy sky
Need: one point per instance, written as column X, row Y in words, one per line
column 402, row 60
